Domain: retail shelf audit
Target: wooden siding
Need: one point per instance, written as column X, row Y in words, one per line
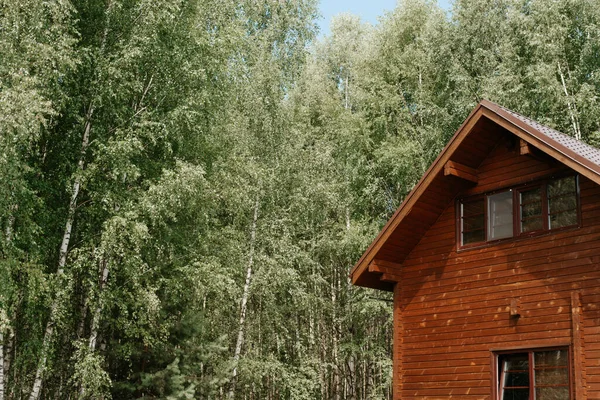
column 453, row 307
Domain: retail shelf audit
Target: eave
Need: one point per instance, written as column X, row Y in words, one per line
column 454, row 170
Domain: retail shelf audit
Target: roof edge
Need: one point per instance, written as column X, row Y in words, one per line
column 545, row 143
column 369, row 254
column 502, row 117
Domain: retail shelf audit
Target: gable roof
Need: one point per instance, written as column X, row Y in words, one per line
column 469, row 146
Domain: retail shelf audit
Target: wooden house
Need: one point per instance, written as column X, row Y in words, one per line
column 493, row 260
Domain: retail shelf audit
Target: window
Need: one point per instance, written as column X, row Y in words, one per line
column 562, row 203
column 534, row 374
column 531, row 210
column 473, row 221
column 520, row 211
column 500, row 210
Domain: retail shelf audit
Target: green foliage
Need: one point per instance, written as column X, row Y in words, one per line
column 197, row 110
column 89, row 374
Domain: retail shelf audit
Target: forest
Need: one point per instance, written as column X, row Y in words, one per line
column 185, row 184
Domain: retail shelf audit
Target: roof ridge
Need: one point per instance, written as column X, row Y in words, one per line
column 579, row 148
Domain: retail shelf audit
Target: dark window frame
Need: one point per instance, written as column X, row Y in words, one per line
column 516, row 190
column 498, row 376
column 471, row 199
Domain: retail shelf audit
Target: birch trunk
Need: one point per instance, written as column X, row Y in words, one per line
column 103, row 278
column 98, row 312
column 336, row 361
column 83, row 315
column 5, row 362
column 571, row 105
column 243, row 306
column 6, row 347
column 9, row 227
column 62, row 257
column 1, row 366
column 347, row 94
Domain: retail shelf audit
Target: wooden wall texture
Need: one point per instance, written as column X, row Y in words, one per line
column 451, row 307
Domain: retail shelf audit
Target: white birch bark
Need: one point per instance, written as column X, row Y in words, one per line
column 8, row 349
column 9, row 227
column 64, row 246
column 103, row 278
column 336, row 361
column 5, row 363
column 571, row 105
column 1, row 366
column 244, row 302
column 347, row 93
column 62, row 257
column 98, row 311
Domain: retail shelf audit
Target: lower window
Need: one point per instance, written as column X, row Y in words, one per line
column 534, row 374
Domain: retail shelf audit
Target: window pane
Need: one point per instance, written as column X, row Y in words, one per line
column 500, row 215
column 550, row 368
column 552, row 393
column 552, row 358
column 534, row 224
column 531, row 196
column 473, row 236
column 562, row 202
column 531, row 210
column 515, row 370
column 516, row 362
column 473, row 221
column 473, row 208
column 562, row 186
column 551, row 376
column 513, row 379
column 563, row 219
column 515, row 394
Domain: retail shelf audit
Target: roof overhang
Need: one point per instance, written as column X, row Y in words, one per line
column 454, row 170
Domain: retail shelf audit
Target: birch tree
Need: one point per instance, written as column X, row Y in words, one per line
column 136, row 137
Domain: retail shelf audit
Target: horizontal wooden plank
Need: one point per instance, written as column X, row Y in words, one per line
column 486, row 316
column 447, row 393
column 534, row 274
column 472, row 334
column 516, row 250
column 481, row 363
column 504, row 291
column 458, row 347
column 456, row 381
column 456, row 309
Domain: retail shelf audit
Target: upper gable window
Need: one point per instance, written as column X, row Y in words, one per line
column 519, row 211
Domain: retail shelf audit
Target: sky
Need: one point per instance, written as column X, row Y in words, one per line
column 368, row 10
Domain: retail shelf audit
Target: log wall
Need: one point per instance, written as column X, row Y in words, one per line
column 452, row 307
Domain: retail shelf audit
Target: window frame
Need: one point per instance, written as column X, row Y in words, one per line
column 517, row 229
column 543, row 186
column 498, row 376
column 488, row 225
column 459, row 224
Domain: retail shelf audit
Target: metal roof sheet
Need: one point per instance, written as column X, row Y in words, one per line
column 576, row 149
